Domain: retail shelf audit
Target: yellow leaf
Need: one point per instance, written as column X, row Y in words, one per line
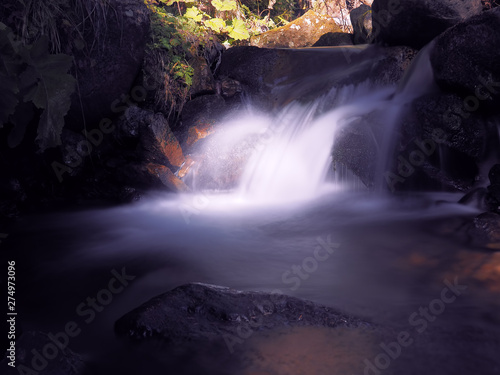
column 222, row 5
column 194, row 14
column 239, row 30
column 216, row 24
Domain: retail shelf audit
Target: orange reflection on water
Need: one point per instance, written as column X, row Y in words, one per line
column 309, row 350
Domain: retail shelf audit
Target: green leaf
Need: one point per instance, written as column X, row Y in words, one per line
column 238, row 31
column 216, row 24
column 222, row 5
column 194, row 14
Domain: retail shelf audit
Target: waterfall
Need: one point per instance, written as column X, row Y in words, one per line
column 293, row 161
column 287, row 156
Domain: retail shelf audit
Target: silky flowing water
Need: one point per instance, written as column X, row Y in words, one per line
column 392, row 255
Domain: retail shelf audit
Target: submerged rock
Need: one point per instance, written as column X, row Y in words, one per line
column 207, row 313
column 302, row 32
column 415, row 23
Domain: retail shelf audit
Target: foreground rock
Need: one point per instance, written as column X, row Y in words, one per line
column 207, row 313
column 302, row 32
column 415, row 23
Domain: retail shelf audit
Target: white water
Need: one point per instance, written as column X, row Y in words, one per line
column 286, row 157
column 293, row 162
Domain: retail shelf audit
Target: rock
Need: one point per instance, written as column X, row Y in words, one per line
column 166, row 177
column 273, row 77
column 485, row 231
column 465, row 60
column 198, row 117
column 492, row 198
column 391, row 65
column 361, row 20
column 302, row 32
column 203, row 80
column 356, row 148
column 157, row 142
column 197, row 132
column 334, row 39
column 228, row 87
column 62, row 362
column 211, row 314
column 494, row 175
column 452, row 146
column 107, row 67
column 415, row 23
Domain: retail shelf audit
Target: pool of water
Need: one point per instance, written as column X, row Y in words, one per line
column 382, row 258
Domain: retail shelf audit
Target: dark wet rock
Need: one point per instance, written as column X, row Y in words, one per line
column 492, row 198
column 465, row 60
column 274, row 77
column 475, row 198
column 36, row 353
column 335, row 39
column 207, row 313
column 415, row 23
column 391, row 65
column 302, row 32
column 203, row 79
column 361, row 20
column 228, row 88
column 446, row 142
column 356, row 147
column 198, row 116
column 484, row 231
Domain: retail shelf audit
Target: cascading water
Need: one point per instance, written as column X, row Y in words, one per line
column 293, row 162
column 286, row 157
column 390, row 262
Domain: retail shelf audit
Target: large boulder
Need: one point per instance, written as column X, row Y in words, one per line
column 465, row 60
column 273, row 77
column 415, row 23
column 302, row 32
column 211, row 314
